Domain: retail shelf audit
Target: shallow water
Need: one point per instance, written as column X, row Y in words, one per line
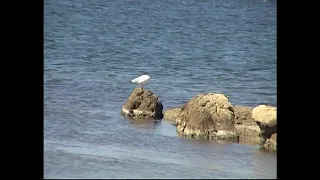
column 92, row 49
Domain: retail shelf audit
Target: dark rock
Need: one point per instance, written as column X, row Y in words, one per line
column 143, row 104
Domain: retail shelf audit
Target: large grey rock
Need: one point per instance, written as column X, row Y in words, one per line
column 143, row 104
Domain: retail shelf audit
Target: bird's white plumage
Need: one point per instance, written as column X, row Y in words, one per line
column 141, row 80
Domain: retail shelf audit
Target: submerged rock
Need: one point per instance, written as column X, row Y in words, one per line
column 143, row 104
column 266, row 118
column 209, row 116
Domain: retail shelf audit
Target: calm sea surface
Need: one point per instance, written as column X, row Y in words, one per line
column 92, row 49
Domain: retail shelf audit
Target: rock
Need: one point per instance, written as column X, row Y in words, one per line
column 143, row 104
column 264, row 114
column 207, row 116
column 266, row 118
column 248, row 129
column 271, row 143
column 171, row 114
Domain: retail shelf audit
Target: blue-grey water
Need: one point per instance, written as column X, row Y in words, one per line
column 92, row 49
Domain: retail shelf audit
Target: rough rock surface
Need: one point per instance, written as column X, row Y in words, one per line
column 143, row 104
column 264, row 114
column 171, row 114
column 248, row 129
column 208, row 116
column 266, row 118
column 271, row 143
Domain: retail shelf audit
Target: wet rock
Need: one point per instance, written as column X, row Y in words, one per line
column 143, row 104
column 209, row 116
column 271, row 143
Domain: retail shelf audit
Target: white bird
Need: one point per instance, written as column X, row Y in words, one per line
column 141, row 80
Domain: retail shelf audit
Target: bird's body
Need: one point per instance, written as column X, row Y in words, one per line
column 141, row 80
